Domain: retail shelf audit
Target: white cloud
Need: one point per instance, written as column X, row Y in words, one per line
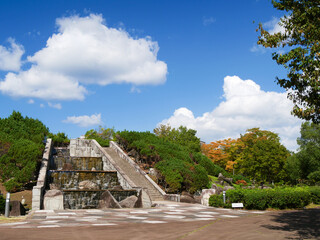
column 135, row 90
column 85, row 120
column 258, row 48
column 42, row 105
column 31, row 101
column 208, row 21
column 273, row 26
column 86, row 51
column 10, row 58
column 55, row 105
column 245, row 106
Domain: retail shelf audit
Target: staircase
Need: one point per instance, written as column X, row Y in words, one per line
column 136, row 177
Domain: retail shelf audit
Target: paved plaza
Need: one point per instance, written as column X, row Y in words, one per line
column 165, row 212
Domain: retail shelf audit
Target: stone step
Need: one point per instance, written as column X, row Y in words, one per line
column 134, row 175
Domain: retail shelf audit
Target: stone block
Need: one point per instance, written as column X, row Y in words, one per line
column 172, row 197
column 205, row 195
column 53, row 200
column 17, row 209
column 187, row 199
column 144, row 200
column 108, row 201
column 129, row 202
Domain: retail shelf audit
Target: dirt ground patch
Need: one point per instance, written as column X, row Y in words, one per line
column 27, row 194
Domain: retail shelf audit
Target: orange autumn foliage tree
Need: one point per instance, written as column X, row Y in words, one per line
column 221, row 152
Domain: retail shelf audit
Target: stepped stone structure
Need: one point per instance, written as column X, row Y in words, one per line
column 81, row 175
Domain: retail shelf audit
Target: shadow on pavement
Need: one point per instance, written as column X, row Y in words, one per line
column 306, row 223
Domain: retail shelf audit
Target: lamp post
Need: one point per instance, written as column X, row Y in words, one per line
column 7, row 209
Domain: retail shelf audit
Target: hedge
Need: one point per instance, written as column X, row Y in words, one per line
column 261, row 199
column 2, row 204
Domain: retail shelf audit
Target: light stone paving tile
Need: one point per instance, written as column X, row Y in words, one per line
column 153, row 221
column 23, row 226
column 139, row 212
column 178, row 210
column 72, row 224
column 104, row 224
column 197, row 208
column 207, row 212
column 48, row 226
column 121, row 214
column 173, row 205
column 44, row 211
column 94, row 211
column 136, row 217
column 229, row 216
column 244, row 211
column 57, row 217
column 50, row 221
column 155, row 210
column 258, row 212
column 174, row 213
column 224, row 209
column 174, row 216
column 67, row 213
column 92, row 217
column 87, row 220
column 203, row 216
column 203, row 219
column 14, row 223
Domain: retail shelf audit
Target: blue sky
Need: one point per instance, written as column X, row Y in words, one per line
column 131, row 65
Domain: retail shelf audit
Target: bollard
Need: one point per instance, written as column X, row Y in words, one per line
column 7, row 210
column 224, row 197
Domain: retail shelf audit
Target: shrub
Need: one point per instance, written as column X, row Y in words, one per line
column 59, row 139
column 101, row 135
column 262, row 199
column 243, row 182
column 216, row 201
column 237, row 177
column 2, row 204
column 180, row 167
column 315, row 194
column 314, row 176
column 21, row 148
column 19, row 165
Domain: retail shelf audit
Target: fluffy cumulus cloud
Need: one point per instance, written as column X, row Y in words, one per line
column 86, row 51
column 10, row 57
column 85, row 120
column 244, row 106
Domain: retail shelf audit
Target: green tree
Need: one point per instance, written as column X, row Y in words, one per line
column 261, row 156
column 306, row 162
column 101, row 135
column 21, row 146
column 302, row 40
column 59, row 139
column 182, row 135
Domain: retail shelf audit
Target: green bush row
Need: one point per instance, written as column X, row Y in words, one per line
column 261, row 199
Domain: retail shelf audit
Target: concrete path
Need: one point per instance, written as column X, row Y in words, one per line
column 166, row 212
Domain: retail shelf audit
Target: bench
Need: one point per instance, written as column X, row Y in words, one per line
column 237, row 205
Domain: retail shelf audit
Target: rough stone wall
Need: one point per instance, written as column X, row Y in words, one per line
column 38, row 190
column 90, row 148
